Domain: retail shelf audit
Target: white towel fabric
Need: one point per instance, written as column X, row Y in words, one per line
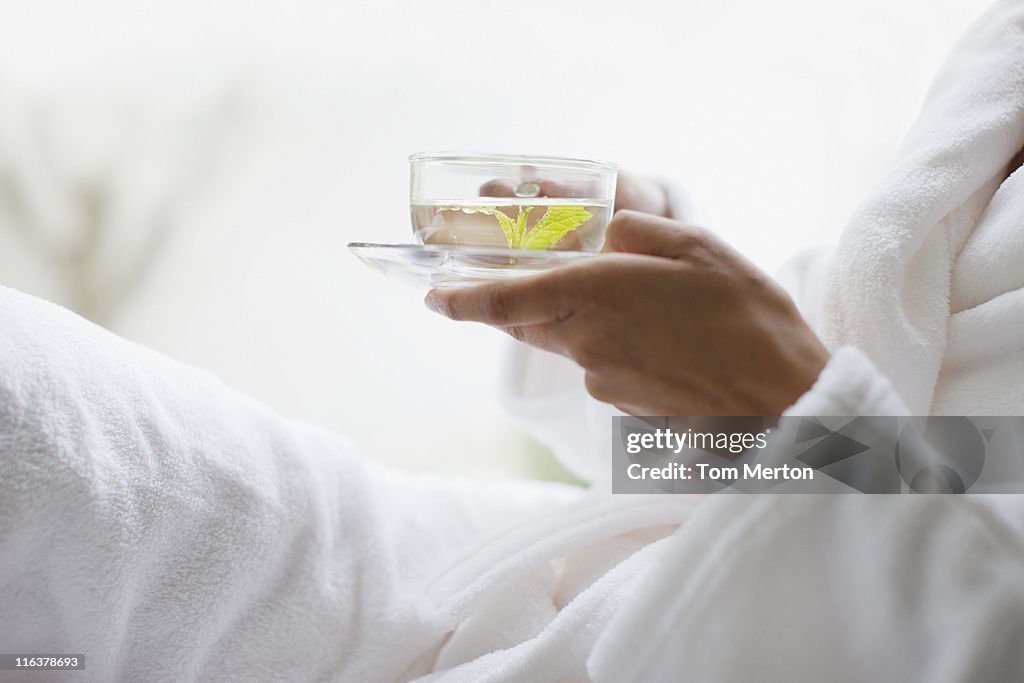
column 927, row 278
column 172, row 530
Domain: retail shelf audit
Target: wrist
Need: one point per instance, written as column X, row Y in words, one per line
column 813, row 365
column 805, row 364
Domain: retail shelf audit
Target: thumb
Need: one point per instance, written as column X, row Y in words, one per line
column 633, row 232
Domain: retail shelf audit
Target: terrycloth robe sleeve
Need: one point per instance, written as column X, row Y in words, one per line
column 171, row 529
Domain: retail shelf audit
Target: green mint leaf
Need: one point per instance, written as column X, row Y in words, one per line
column 556, row 223
column 524, row 212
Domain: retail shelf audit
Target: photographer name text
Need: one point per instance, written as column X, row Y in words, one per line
column 705, row 472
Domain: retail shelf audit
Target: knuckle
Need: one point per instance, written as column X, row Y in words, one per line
column 690, row 239
column 562, row 293
column 620, row 221
column 563, row 312
column 626, row 216
column 618, row 225
column 494, row 305
column 451, row 306
column 516, row 332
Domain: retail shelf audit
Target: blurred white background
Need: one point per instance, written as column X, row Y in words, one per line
column 188, row 173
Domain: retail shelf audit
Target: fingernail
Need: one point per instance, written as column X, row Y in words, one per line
column 435, row 302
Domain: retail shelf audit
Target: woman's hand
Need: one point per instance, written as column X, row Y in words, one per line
column 673, row 322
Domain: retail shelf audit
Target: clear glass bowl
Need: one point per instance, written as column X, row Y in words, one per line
column 504, row 201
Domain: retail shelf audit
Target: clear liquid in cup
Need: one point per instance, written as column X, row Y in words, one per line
column 539, row 223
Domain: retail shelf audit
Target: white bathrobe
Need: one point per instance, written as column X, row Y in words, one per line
column 170, row 529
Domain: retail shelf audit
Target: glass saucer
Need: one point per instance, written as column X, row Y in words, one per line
column 439, row 265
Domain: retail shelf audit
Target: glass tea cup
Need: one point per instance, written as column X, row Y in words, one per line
column 510, row 202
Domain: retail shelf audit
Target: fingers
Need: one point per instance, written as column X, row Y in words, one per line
column 507, row 188
column 516, row 303
column 640, row 233
column 531, row 310
column 545, row 336
column 498, row 188
column 634, row 193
